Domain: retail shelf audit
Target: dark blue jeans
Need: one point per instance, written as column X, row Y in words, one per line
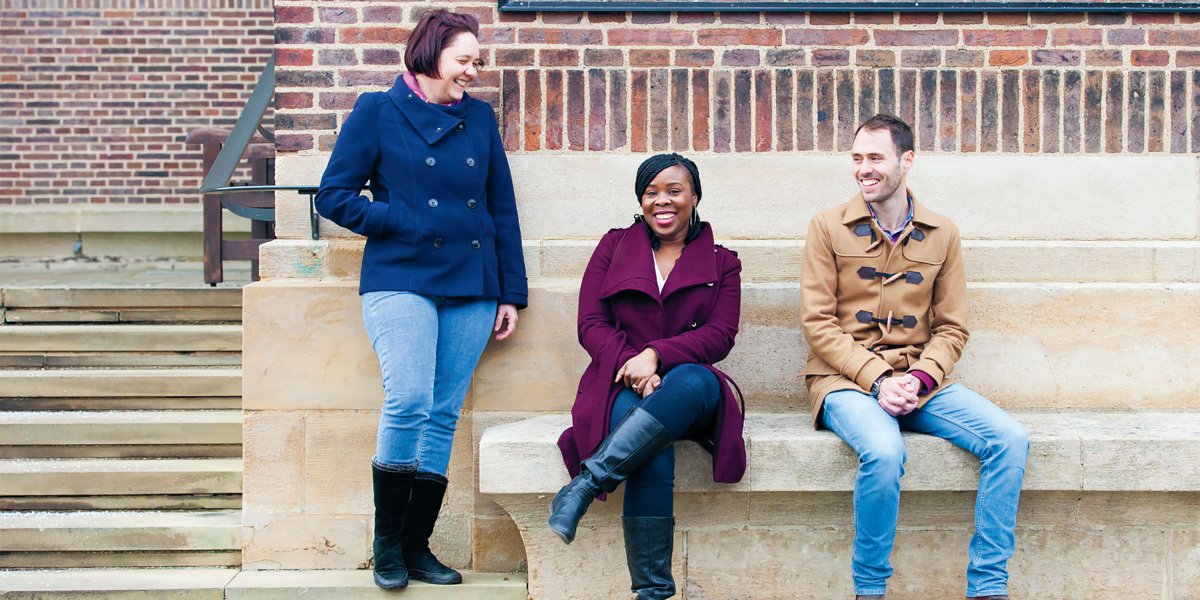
column 686, row 405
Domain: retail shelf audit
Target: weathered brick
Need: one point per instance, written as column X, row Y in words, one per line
column 1153, row 18
column 825, row 103
column 383, row 14
column 694, row 58
column 866, row 94
column 293, row 57
column 804, row 110
column 649, row 58
column 638, row 111
column 595, row 57
column 576, row 111
column 514, row 57
column 763, row 91
column 1005, row 37
column 1187, row 58
column 680, row 124
column 847, row 116
column 607, row 17
column 618, row 120
column 1010, row 110
column 920, row 58
column 694, row 18
column 1126, row 37
column 285, row 100
column 299, row 35
column 948, row 111
column 1008, row 58
column 743, row 126
column 1051, row 113
column 741, row 57
column 1056, row 57
column 824, row 18
column 293, row 14
column 340, row 57
column 381, row 56
column 533, row 110
column 1135, row 134
column 285, row 79
column 827, row 37
column 874, row 58
column 965, row 58
column 741, row 18
column 1195, row 111
column 918, row 37
column 558, row 58
column 562, row 18
column 597, row 114
column 906, row 99
column 293, row 142
column 554, row 109
column 916, row 18
column 497, row 35
column 1114, row 92
column 518, row 17
column 510, row 109
column 486, row 15
column 339, row 15
column 722, row 111
column 739, row 37
column 874, row 18
column 660, row 110
column 829, row 57
column 989, row 112
column 651, row 18
column 1008, row 19
column 1072, row 97
column 372, row 35
column 649, row 37
column 1031, row 112
column 887, row 91
column 1076, row 36
column 1093, row 113
column 338, row 100
column 1179, row 107
column 1104, row 58
column 793, row 57
column 967, row 120
column 785, row 132
column 558, row 35
column 789, row 18
column 927, row 103
column 700, row 110
column 1150, row 58
column 1056, row 18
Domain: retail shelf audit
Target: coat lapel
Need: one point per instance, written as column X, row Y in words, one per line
column 631, row 267
column 697, row 265
column 431, row 124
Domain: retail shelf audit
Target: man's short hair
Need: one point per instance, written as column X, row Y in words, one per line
column 431, row 35
column 902, row 134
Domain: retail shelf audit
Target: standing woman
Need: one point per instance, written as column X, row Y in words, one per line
column 441, row 269
column 658, row 306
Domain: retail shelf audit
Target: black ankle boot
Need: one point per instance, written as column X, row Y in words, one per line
column 392, row 493
column 635, row 440
column 427, row 493
column 649, row 542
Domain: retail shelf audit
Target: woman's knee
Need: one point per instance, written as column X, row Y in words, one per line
column 693, row 381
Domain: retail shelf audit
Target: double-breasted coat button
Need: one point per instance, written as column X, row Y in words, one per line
column 433, row 203
column 430, row 161
column 475, row 244
column 439, row 129
column 472, row 203
column 695, row 325
column 470, row 162
column 437, row 242
column 458, row 127
column 410, row 96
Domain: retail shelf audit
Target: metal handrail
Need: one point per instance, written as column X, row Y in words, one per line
column 309, row 190
column 243, row 131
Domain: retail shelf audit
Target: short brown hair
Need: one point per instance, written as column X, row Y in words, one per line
column 902, row 134
column 431, row 35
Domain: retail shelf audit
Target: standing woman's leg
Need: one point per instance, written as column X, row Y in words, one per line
column 463, row 330
column 400, row 326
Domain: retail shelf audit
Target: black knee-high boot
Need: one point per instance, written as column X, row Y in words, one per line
column 427, row 493
column 635, row 440
column 393, row 490
column 649, row 542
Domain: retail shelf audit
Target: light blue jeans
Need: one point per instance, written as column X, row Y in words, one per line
column 967, row 420
column 428, row 348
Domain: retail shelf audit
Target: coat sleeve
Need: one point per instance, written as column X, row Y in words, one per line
column 949, row 315
column 819, row 305
column 502, row 203
column 597, row 331
column 352, row 163
column 711, row 342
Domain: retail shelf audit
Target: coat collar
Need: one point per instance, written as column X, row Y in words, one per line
column 857, row 210
column 631, row 267
column 430, row 122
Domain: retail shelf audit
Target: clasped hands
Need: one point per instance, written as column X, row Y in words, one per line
column 898, row 395
column 640, row 372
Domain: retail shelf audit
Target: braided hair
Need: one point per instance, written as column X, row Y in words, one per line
column 649, row 169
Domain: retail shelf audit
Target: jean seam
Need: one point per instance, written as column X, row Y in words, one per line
column 860, row 592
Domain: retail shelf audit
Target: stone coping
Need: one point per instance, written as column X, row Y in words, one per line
column 142, row 218
column 1070, row 451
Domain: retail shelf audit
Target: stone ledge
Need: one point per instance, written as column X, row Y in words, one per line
column 1085, row 451
column 179, row 218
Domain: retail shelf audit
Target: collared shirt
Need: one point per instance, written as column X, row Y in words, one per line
column 411, row 81
column 893, row 236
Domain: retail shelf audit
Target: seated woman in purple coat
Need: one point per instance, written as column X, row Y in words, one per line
column 659, row 304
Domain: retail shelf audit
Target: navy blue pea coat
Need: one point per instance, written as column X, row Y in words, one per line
column 443, row 221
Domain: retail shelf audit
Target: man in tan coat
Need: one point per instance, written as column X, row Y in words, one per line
column 885, row 314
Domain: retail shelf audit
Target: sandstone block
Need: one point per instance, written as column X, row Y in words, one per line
column 307, row 543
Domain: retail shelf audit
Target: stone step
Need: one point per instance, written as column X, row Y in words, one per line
column 121, row 428
column 120, row 297
column 1032, row 346
column 119, row 560
column 93, row 360
column 229, row 584
column 126, row 315
column 117, row 584
column 123, row 503
column 121, row 383
column 96, row 531
column 119, row 403
column 110, row 339
column 118, row 477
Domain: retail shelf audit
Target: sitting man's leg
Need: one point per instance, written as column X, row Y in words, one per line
column 858, row 419
column 971, row 422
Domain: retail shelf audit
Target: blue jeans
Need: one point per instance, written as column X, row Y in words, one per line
column 686, row 405
column 970, row 422
column 428, row 348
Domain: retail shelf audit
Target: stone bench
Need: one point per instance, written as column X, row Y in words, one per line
column 1116, row 494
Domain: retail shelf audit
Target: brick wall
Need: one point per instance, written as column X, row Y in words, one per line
column 772, row 82
column 95, row 103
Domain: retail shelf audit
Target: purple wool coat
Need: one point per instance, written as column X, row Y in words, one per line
column 694, row 320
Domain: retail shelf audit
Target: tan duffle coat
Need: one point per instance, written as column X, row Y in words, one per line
column 870, row 307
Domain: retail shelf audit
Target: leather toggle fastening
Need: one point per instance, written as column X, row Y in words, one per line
column 916, row 234
column 913, row 277
column 865, row 316
column 863, row 230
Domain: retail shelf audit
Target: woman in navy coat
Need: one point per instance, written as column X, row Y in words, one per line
column 658, row 306
column 442, row 268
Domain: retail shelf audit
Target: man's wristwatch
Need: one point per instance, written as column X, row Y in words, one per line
column 875, row 386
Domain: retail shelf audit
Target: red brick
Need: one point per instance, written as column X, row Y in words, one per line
column 383, row 14
column 381, row 56
column 828, row 18
column 1057, row 18
column 292, row 142
column 486, row 15
column 558, row 58
column 518, row 17
column 912, row 18
column 964, row 58
column 1008, row 19
column 293, row 57
column 919, row 38
column 338, row 100
column 690, row 18
column 920, row 58
column 514, row 57
column 533, row 110
column 372, row 35
column 740, row 57
column 1153, row 18
column 700, row 108
column 293, row 14
column 964, row 18
column 1126, row 37
column 497, row 35
column 1005, row 37
column 694, row 58
column 284, row 100
column 649, row 37
column 739, row 37
column 741, row 18
column 569, row 37
column 1056, row 57
column 827, row 37
column 1077, row 36
column 1104, row 58
column 1107, row 19
column 680, row 125
column 594, row 57
column 762, row 112
column 1150, row 58
column 562, row 18
column 789, row 18
column 828, row 57
column 649, row 58
column 874, row 18
column 606, row 17
column 298, row 35
column 510, row 110
column 1187, row 58
column 792, row 57
column 367, row 78
column 875, row 58
column 554, row 110
column 1175, row 37
column 339, row 15
column 1008, row 58
column 638, row 97
column 650, row 18
column 1189, row 18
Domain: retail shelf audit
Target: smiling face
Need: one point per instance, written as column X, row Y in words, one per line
column 879, row 168
column 458, row 66
column 668, row 203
